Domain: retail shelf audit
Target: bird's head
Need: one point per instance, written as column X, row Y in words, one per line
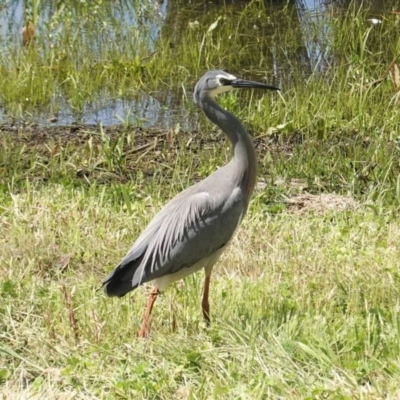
column 216, row 82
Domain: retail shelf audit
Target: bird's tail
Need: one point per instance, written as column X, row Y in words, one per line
column 121, row 281
column 114, row 286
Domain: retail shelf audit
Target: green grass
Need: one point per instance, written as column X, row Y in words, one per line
column 301, row 304
column 304, row 305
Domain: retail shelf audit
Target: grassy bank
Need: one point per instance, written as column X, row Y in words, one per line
column 305, row 301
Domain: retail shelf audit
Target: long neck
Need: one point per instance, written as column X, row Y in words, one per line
column 244, row 162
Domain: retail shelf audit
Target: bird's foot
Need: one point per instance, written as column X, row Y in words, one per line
column 144, row 332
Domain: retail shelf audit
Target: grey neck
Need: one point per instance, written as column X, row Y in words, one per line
column 244, row 156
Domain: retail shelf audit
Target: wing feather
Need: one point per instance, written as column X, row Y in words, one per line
column 190, row 227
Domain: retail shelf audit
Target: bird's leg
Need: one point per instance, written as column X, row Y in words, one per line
column 205, row 304
column 145, row 329
column 173, row 319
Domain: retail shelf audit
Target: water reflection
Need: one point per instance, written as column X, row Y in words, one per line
column 145, row 110
column 310, row 13
column 119, row 18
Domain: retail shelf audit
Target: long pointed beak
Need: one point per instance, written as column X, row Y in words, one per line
column 243, row 83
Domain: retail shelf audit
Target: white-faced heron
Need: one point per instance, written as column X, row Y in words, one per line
column 194, row 228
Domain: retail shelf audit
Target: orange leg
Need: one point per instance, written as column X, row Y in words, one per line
column 205, row 304
column 173, row 319
column 145, row 329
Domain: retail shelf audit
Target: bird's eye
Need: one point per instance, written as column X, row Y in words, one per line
column 224, row 81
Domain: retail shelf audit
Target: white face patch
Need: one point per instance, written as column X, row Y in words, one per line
column 221, row 88
column 226, row 76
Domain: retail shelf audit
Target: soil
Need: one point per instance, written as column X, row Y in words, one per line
column 36, row 134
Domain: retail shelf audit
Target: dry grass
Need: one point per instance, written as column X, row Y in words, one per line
column 320, row 203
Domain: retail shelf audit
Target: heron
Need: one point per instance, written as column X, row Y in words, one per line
column 194, row 228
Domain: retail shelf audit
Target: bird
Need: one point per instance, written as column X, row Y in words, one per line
column 194, row 228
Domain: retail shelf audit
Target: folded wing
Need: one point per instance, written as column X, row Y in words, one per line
column 189, row 228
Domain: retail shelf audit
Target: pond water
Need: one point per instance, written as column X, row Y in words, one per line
column 158, row 17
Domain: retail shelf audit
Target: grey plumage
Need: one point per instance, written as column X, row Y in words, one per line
column 193, row 225
column 192, row 230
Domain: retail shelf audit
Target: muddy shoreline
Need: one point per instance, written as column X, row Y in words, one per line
column 35, row 135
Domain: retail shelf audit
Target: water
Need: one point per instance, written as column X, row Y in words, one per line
column 145, row 110
column 158, row 18
column 119, row 17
